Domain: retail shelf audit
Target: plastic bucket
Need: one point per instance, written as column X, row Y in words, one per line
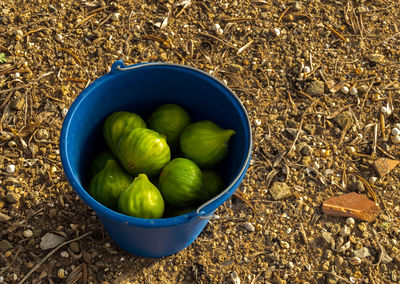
column 140, row 89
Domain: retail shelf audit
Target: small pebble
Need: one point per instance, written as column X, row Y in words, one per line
column 372, row 180
column 277, row 31
column 350, row 221
column 397, row 125
column 27, row 233
column 384, row 110
column 395, row 139
column 285, row 245
column 115, row 16
column 395, row 131
column 306, row 69
column 345, row 232
column 10, row 169
column 61, row 273
column 345, row 90
column 353, row 91
column 258, row 121
column 64, row 112
column 249, row 227
column 64, row 253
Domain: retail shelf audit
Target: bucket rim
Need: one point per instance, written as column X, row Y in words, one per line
column 205, row 210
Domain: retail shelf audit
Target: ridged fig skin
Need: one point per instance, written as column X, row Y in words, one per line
column 205, row 143
column 141, row 199
column 213, row 183
column 99, row 162
column 170, row 120
column 118, row 124
column 143, row 151
column 109, row 183
column 181, row 183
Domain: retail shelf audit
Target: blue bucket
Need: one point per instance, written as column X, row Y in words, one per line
column 140, row 89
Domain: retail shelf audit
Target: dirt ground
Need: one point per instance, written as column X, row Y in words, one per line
column 320, row 82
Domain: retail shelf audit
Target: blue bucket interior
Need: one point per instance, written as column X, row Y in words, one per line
column 141, row 90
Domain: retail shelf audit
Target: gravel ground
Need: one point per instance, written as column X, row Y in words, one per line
column 320, row 82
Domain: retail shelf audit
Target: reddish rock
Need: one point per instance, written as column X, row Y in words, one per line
column 383, row 166
column 351, row 205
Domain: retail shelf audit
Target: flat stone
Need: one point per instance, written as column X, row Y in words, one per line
column 51, row 240
column 280, row 190
column 362, row 253
column 5, row 246
column 74, row 247
column 12, row 197
column 315, row 88
column 344, row 119
column 384, row 166
column 235, row 68
column 353, row 205
column 327, row 236
column 4, row 217
column 377, row 58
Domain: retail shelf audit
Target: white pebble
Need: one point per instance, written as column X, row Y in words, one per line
column 397, row 125
column 64, row 253
column 316, row 166
column 352, row 149
column 16, row 75
column 372, row 180
column 59, row 37
column 285, row 245
column 10, row 169
column 384, row 110
column 350, row 221
column 353, row 91
column 306, row 69
column 258, row 122
column 27, row 233
column 291, row 265
column 249, row 227
column 395, row 131
column 115, row 16
column 277, row 31
column 345, row 90
column 395, row 139
column 216, row 27
column 64, row 112
column 219, row 32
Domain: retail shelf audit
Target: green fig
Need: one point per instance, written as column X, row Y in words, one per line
column 107, row 184
column 181, row 183
column 117, row 124
column 141, row 199
column 99, row 162
column 143, row 151
column 212, row 183
column 170, row 120
column 205, row 143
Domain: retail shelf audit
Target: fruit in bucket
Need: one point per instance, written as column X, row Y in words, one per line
column 141, row 199
column 109, row 183
column 99, row 162
column 117, row 124
column 205, row 143
column 170, row 120
column 212, row 182
column 181, row 183
column 143, row 151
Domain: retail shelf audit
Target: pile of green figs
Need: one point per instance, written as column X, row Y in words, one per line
column 162, row 167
